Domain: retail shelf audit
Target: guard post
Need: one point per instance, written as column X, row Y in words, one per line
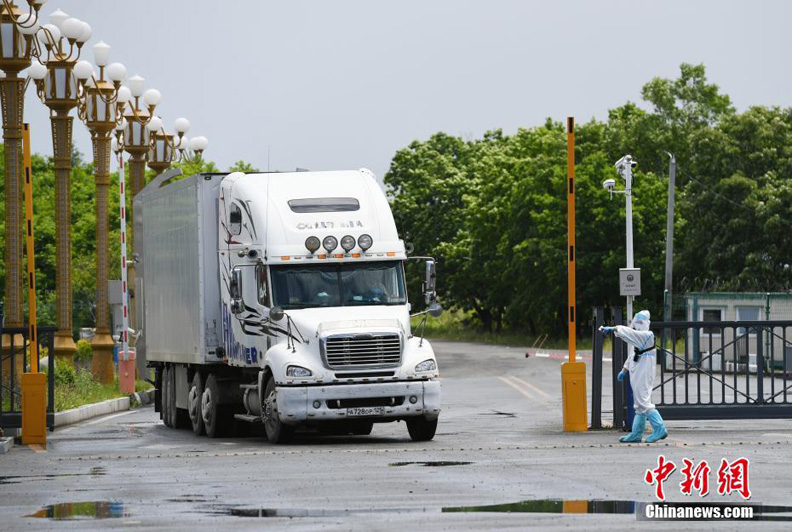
column 573, row 373
column 34, row 383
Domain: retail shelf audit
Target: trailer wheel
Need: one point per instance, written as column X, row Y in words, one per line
column 421, row 429
column 276, row 431
column 167, row 390
column 215, row 423
column 194, row 399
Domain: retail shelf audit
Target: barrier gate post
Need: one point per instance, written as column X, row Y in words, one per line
column 573, row 373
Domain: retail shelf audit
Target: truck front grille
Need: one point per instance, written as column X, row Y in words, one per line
column 363, row 350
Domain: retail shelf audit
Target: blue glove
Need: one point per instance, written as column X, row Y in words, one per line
column 606, row 330
column 621, row 375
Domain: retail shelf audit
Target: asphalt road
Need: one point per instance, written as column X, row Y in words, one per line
column 500, row 441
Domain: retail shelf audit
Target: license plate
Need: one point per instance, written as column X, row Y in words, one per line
column 366, row 411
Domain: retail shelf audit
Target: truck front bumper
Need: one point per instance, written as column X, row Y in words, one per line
column 297, row 404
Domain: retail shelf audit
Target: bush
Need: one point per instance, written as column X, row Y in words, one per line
column 84, row 351
column 65, row 374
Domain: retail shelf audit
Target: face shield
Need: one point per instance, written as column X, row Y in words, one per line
column 640, row 321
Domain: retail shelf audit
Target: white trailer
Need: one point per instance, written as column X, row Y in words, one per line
column 280, row 298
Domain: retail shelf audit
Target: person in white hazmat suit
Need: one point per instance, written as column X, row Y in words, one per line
column 641, row 366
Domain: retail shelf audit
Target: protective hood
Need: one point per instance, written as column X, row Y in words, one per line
column 640, row 321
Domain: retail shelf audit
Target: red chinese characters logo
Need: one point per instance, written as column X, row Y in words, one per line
column 733, row 477
column 659, row 475
column 695, row 478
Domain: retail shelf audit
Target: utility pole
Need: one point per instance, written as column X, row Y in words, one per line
column 624, row 166
column 669, row 264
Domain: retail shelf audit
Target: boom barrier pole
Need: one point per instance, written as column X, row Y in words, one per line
column 573, row 373
column 126, row 363
column 34, row 383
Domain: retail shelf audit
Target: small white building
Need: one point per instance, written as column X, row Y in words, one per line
column 738, row 346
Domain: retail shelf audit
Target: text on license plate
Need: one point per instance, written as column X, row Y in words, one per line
column 366, row 411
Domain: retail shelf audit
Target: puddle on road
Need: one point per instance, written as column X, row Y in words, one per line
column 19, row 479
column 549, row 506
column 557, row 506
column 82, row 510
column 429, row 464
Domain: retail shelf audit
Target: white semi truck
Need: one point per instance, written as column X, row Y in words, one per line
column 280, row 298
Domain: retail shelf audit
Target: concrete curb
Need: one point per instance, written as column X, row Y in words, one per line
column 6, row 444
column 75, row 415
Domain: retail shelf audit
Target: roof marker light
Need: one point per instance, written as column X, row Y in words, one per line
column 365, row 242
column 330, row 243
column 312, row 244
column 347, row 243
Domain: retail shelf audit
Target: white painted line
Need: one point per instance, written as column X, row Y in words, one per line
column 542, row 355
column 532, row 387
column 107, row 418
column 520, row 390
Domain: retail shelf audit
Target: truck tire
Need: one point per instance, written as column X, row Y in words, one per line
column 194, row 400
column 276, row 431
column 215, row 422
column 421, row 429
column 180, row 418
column 167, row 390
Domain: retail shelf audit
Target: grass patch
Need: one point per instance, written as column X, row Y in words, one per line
column 77, row 387
column 457, row 325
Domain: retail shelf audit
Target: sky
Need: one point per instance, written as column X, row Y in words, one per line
column 330, row 85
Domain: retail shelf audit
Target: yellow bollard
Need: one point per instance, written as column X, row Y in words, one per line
column 573, row 382
column 34, row 408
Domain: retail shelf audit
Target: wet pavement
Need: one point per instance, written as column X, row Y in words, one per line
column 499, row 461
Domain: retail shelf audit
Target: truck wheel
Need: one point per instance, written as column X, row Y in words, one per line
column 276, row 431
column 211, row 413
column 194, row 400
column 421, row 429
column 167, row 390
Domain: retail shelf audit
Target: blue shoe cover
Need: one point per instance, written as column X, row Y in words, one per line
column 658, row 427
column 639, row 424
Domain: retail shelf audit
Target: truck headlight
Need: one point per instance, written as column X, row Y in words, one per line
column 426, row 365
column 298, row 371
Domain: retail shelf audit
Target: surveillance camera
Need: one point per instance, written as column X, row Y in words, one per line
column 609, row 184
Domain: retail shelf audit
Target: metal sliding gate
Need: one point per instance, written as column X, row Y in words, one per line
column 14, row 355
column 710, row 370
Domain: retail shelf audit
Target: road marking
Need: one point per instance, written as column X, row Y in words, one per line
column 510, row 383
column 778, row 434
column 532, row 387
column 107, row 418
column 37, row 448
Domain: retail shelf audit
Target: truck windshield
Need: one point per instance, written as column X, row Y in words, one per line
column 337, row 285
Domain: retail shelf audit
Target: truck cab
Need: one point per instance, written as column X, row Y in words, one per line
column 313, row 296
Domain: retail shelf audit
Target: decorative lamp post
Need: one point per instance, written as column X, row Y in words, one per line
column 60, row 81
column 101, row 110
column 166, row 149
column 136, row 135
column 16, row 47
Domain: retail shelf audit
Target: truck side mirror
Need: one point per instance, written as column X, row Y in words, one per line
column 430, row 284
column 276, row 313
column 235, row 291
column 435, row 310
